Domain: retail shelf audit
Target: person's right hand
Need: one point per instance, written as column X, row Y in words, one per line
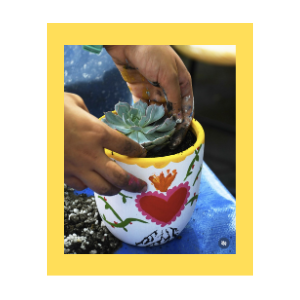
column 156, row 74
column 85, row 162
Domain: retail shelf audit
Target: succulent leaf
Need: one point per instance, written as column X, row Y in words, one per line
column 149, row 129
column 146, row 125
column 167, row 125
column 133, row 112
column 141, row 106
column 118, row 127
column 133, row 135
column 130, row 122
column 154, row 113
column 160, row 140
column 114, row 119
column 122, row 108
column 142, row 121
column 136, row 128
column 141, row 138
column 136, row 121
column 156, row 135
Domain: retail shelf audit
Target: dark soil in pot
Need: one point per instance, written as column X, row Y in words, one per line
column 189, row 140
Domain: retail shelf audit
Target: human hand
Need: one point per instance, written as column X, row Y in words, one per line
column 156, row 74
column 86, row 164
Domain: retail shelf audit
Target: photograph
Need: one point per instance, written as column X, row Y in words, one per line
column 149, row 149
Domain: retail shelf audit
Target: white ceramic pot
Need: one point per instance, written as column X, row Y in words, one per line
column 160, row 214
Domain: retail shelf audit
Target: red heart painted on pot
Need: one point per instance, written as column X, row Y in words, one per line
column 163, row 209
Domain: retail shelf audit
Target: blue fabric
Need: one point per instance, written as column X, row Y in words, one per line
column 95, row 78
column 212, row 227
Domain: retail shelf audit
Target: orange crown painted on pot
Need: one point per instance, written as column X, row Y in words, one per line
column 163, row 182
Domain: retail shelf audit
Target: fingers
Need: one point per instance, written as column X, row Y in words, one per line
column 186, row 89
column 183, row 127
column 145, row 91
column 98, row 184
column 118, row 177
column 121, row 144
column 130, row 75
column 148, row 94
column 170, row 87
column 187, row 104
column 75, row 183
column 179, row 135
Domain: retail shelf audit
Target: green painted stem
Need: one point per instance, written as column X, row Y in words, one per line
column 124, row 223
column 192, row 200
column 124, row 197
column 196, row 158
column 197, row 175
column 108, row 206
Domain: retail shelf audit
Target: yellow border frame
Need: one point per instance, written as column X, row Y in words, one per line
column 240, row 35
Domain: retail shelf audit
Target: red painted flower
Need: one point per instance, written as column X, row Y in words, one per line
column 112, row 226
column 193, row 167
column 130, row 223
column 104, row 199
column 115, row 222
column 198, row 148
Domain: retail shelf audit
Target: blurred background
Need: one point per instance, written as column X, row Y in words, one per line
column 213, row 73
column 96, row 79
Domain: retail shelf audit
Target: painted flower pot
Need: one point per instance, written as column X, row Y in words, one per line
column 161, row 213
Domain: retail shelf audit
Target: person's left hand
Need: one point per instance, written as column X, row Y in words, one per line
column 156, row 74
column 85, row 161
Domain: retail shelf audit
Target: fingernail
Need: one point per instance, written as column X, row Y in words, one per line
column 145, row 188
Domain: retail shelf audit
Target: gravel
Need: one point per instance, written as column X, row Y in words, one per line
column 84, row 230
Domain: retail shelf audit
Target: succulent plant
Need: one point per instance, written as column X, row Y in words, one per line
column 145, row 124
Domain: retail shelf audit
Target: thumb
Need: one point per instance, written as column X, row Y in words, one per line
column 120, row 143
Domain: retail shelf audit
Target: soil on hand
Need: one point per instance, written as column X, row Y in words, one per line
column 189, row 140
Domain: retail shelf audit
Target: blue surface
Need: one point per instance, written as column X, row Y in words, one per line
column 96, row 79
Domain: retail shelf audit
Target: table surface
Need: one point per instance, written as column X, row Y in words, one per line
column 212, row 228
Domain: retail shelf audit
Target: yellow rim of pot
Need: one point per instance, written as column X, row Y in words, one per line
column 161, row 162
